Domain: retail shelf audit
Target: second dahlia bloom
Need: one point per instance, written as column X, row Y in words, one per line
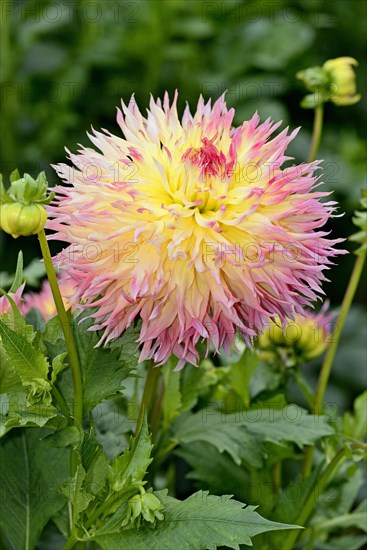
column 191, row 225
column 306, row 337
column 43, row 300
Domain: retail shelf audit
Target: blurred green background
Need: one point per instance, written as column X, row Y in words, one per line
column 65, row 66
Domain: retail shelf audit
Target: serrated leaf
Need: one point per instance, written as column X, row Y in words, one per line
column 290, row 424
column 132, row 465
column 30, row 476
column 127, row 345
column 18, row 413
column 95, row 463
column 230, row 436
column 9, row 379
column 103, row 369
column 77, row 494
column 241, row 434
column 27, row 362
column 202, row 522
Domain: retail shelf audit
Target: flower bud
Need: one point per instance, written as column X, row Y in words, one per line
column 335, row 81
column 19, row 219
column 343, row 80
column 21, row 206
column 143, row 506
column 303, row 339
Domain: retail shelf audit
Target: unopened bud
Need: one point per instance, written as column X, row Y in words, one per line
column 19, row 219
column 21, row 205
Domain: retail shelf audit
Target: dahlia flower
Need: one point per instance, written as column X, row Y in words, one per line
column 43, row 300
column 307, row 336
column 192, row 226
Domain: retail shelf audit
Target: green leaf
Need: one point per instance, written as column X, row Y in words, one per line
column 222, row 431
column 241, row 373
column 18, row 277
column 113, row 424
column 95, row 463
column 18, row 413
column 103, row 369
column 9, row 379
column 357, row 518
column 196, row 382
column 360, row 220
column 241, row 433
column 132, row 465
column 215, row 471
column 27, row 362
column 70, row 435
column 58, row 365
column 200, row 522
column 355, row 424
column 31, row 472
column 172, row 396
column 76, row 493
column 349, row 542
column 127, row 345
column 289, row 424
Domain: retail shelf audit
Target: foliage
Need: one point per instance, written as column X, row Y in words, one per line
column 215, row 458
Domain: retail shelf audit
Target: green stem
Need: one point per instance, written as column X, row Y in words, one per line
column 156, row 413
column 150, row 386
column 61, row 402
column 329, row 357
column 277, row 478
column 311, row 500
column 66, row 328
column 70, row 345
column 304, row 387
column 316, row 133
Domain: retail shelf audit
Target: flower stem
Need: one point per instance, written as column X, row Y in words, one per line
column 277, row 478
column 69, row 340
column 329, row 357
column 311, row 500
column 316, row 133
column 150, row 386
